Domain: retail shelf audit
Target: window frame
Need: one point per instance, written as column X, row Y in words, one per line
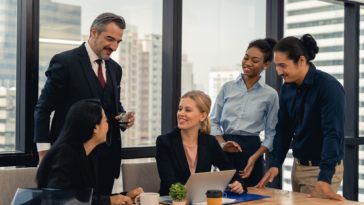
column 26, row 85
column 27, row 81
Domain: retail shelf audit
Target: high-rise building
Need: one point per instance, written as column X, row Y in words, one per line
column 153, row 46
column 131, row 59
column 60, row 30
column 8, row 38
column 141, row 59
column 7, row 118
column 218, row 76
column 187, row 75
column 141, row 89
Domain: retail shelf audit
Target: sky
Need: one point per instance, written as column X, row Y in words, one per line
column 215, row 33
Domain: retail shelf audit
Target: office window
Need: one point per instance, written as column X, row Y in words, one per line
column 214, row 41
column 8, row 49
column 65, row 25
column 361, row 107
column 325, row 22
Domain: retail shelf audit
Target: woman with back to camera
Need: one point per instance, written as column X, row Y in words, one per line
column 67, row 164
column 190, row 148
column 244, row 107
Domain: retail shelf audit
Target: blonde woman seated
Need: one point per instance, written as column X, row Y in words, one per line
column 190, row 148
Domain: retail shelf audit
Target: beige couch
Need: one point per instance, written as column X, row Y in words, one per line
column 13, row 178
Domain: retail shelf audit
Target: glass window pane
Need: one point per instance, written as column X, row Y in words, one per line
column 214, row 41
column 8, row 44
column 65, row 24
column 361, row 106
column 325, row 22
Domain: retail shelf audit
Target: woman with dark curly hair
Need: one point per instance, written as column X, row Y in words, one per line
column 243, row 109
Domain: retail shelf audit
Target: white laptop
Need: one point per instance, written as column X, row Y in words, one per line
column 199, row 183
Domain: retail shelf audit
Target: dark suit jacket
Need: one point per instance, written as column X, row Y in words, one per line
column 71, row 169
column 70, row 78
column 172, row 162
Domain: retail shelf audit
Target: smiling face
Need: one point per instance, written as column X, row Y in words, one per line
column 107, row 41
column 189, row 116
column 290, row 72
column 253, row 62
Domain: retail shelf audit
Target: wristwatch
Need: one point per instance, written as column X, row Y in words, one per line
column 222, row 144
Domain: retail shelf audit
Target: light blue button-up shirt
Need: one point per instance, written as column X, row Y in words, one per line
column 239, row 111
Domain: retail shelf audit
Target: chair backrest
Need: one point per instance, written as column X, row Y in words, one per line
column 143, row 175
column 13, row 178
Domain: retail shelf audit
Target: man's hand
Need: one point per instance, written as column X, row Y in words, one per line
column 135, row 192
column 120, row 200
column 126, row 120
column 268, row 177
column 41, row 155
column 231, row 146
column 248, row 168
column 131, row 119
column 323, row 189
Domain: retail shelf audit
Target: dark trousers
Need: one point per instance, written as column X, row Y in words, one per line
column 249, row 145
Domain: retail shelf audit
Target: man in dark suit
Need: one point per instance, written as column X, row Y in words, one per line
column 80, row 73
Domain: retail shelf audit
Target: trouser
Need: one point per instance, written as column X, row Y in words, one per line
column 249, row 145
column 304, row 178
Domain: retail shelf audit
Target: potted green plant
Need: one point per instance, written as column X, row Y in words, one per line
column 178, row 193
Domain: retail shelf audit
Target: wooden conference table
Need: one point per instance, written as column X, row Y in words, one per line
column 281, row 197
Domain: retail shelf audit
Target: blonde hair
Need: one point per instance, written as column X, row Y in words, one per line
column 203, row 102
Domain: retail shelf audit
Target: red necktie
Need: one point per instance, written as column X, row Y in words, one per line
column 100, row 75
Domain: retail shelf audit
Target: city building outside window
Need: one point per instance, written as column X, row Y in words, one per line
column 8, row 48
column 214, row 41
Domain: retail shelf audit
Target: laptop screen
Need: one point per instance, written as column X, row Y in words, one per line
column 199, row 183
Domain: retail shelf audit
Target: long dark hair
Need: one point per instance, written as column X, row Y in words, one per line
column 78, row 127
column 294, row 48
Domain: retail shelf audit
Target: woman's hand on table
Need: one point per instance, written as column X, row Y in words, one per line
column 236, row 187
